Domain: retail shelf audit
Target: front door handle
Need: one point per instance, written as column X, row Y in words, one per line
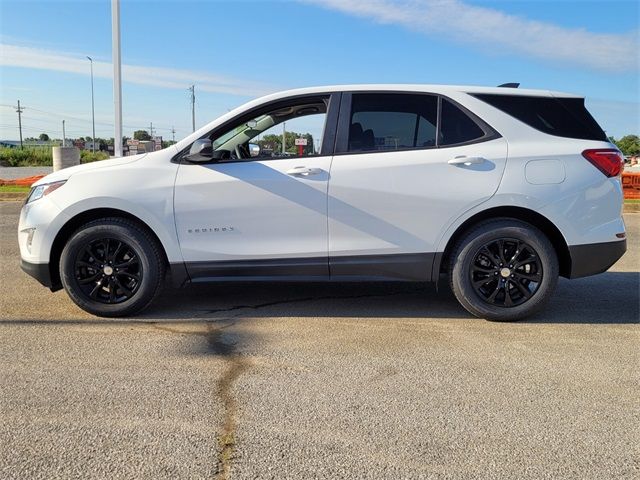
column 304, row 171
column 464, row 160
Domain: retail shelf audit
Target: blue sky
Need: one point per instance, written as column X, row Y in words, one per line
column 236, row 50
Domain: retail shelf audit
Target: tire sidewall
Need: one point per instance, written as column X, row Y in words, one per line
column 461, row 279
column 125, row 233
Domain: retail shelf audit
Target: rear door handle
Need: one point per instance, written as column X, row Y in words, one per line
column 464, row 160
column 304, row 171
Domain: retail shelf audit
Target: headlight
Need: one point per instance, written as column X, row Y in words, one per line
column 40, row 191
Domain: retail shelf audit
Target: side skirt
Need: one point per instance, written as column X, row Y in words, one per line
column 412, row 267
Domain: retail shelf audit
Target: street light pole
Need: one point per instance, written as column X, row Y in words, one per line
column 93, row 110
column 117, row 77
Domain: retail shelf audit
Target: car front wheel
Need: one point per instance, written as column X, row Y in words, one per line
column 112, row 267
column 503, row 270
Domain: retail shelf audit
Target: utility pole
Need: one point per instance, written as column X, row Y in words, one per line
column 173, row 134
column 64, row 136
column 20, row 110
column 151, row 130
column 117, row 75
column 192, row 89
column 93, row 110
column 284, row 136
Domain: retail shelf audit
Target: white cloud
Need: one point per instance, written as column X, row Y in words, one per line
column 29, row 57
column 493, row 30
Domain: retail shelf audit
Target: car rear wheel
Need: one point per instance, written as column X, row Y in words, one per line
column 112, row 267
column 503, row 270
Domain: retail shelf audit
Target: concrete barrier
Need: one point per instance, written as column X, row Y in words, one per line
column 64, row 157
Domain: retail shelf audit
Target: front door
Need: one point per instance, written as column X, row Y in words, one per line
column 258, row 213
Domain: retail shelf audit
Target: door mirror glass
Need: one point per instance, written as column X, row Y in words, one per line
column 254, row 150
column 201, row 151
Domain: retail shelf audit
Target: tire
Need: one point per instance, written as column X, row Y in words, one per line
column 488, row 286
column 112, row 267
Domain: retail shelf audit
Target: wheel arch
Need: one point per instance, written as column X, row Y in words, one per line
column 76, row 222
column 531, row 217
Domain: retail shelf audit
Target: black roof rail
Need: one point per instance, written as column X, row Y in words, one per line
column 509, row 85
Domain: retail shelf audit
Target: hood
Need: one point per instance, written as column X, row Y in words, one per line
column 65, row 173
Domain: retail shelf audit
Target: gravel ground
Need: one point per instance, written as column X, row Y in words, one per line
column 319, row 381
column 12, row 173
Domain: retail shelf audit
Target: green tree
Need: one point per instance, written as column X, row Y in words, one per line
column 141, row 135
column 43, row 137
column 628, row 145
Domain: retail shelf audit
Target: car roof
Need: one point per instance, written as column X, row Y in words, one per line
column 442, row 89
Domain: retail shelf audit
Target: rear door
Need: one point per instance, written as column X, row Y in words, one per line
column 406, row 165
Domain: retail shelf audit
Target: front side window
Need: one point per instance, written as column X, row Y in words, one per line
column 300, row 125
column 387, row 122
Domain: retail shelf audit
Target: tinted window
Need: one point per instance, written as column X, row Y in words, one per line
column 381, row 122
column 563, row 117
column 456, row 126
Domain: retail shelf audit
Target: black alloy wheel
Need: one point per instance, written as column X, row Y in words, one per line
column 112, row 267
column 506, row 272
column 503, row 269
column 108, row 271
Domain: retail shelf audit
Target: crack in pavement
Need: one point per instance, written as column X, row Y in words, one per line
column 297, row 300
column 237, row 365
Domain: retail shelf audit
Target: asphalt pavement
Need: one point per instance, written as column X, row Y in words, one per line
column 332, row 381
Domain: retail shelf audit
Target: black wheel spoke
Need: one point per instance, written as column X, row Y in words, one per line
column 516, row 253
column 112, row 290
column 82, row 263
column 508, row 301
column 130, row 275
column 482, row 281
column 94, row 291
column 126, row 291
column 117, row 250
column 90, row 279
column 501, row 252
column 534, row 277
column 127, row 263
column 529, row 259
column 479, row 269
column 491, row 298
column 490, row 256
column 523, row 290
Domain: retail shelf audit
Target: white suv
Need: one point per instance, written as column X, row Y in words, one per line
column 500, row 189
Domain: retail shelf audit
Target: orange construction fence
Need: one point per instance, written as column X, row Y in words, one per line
column 21, row 182
column 631, row 184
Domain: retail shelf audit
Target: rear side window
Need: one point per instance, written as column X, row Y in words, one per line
column 456, row 126
column 562, row 117
column 384, row 122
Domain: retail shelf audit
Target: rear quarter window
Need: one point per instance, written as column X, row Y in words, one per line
column 562, row 117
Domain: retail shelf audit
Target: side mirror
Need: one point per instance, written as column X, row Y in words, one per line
column 201, row 151
column 254, row 150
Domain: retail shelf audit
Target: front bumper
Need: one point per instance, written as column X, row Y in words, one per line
column 594, row 258
column 41, row 272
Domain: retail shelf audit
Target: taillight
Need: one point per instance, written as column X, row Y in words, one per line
column 608, row 160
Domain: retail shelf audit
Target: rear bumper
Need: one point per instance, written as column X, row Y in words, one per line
column 594, row 258
column 40, row 271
